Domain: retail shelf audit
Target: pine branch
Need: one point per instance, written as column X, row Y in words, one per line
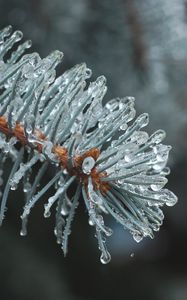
column 59, row 122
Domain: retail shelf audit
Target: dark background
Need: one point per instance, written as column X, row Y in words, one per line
column 141, row 47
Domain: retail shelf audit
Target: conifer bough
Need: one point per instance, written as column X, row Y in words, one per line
column 60, row 123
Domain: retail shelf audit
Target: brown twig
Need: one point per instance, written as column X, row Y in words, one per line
column 62, row 155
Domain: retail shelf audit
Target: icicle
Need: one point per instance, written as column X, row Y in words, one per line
column 29, row 194
column 95, row 218
column 60, row 221
column 7, row 187
column 23, row 231
column 105, row 257
column 67, row 229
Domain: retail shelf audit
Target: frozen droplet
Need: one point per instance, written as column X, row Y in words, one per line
column 131, row 114
column 112, row 104
column 139, row 137
column 165, row 171
column 158, row 136
column 137, row 237
column 27, row 187
column 23, row 232
column 61, row 181
column 157, row 186
column 101, row 80
column 129, row 157
column 88, row 73
column 59, row 240
column 123, row 127
column 29, row 124
column 6, row 31
column 17, row 35
column 132, row 255
column 156, row 227
column 158, row 183
column 105, row 257
column 47, row 206
column 142, row 120
column 108, row 231
column 88, row 165
column 91, row 222
column 171, row 198
column 65, row 172
column 28, row 71
column 64, row 211
column 13, row 186
column 126, row 102
column 47, row 214
column 28, row 44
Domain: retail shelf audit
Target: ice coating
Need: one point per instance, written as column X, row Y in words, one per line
column 60, row 124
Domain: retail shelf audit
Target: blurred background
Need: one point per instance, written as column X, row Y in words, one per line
column 141, row 47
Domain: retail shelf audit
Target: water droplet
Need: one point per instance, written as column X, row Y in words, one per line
column 132, row 255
